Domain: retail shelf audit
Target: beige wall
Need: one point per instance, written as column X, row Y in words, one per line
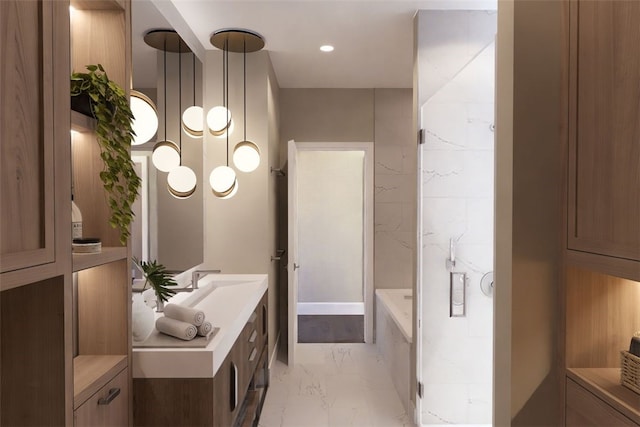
column 395, row 189
column 383, row 116
column 528, row 221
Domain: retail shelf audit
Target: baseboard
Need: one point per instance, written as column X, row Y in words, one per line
column 330, row 308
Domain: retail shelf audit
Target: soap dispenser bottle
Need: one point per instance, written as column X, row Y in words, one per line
column 76, row 220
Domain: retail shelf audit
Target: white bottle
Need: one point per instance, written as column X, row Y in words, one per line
column 76, row 221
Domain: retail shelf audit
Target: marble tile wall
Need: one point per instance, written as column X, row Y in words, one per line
column 395, row 188
column 395, row 350
column 457, row 197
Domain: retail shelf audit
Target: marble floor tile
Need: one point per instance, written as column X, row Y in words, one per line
column 333, row 385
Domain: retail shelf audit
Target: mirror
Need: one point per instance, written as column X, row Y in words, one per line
column 166, row 229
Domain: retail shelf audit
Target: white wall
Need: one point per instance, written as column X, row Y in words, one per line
column 330, row 209
column 456, row 51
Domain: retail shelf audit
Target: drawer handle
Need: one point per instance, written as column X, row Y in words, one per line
column 233, row 385
column 253, row 336
column 113, row 393
column 253, row 317
column 253, row 354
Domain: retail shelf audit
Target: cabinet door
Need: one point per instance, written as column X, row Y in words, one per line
column 108, row 407
column 30, row 121
column 223, row 394
column 604, row 128
column 585, row 409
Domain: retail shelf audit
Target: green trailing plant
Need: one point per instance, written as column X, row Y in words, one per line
column 110, row 107
column 157, row 276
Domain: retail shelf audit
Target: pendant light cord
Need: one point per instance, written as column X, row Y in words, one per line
column 193, row 67
column 180, row 99
column 165, row 87
column 226, row 53
column 244, row 83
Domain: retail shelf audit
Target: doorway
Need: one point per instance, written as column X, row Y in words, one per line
column 330, row 260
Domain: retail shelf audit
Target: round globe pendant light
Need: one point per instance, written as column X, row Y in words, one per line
column 246, row 155
column 182, row 182
column 223, row 181
column 193, row 117
column 219, row 118
column 145, row 117
column 219, row 121
column 192, row 121
column 165, row 156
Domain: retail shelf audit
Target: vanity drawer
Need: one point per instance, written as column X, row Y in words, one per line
column 108, row 406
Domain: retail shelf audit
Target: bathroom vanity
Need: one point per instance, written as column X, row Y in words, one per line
column 222, row 384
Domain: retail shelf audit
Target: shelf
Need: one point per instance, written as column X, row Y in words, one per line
column 82, row 123
column 91, row 373
column 605, row 383
column 98, row 4
column 108, row 254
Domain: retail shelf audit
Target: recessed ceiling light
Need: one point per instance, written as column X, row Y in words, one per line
column 326, row 48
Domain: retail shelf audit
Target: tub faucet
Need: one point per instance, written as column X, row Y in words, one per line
column 197, row 274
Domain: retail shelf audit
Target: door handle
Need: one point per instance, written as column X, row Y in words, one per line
column 295, row 266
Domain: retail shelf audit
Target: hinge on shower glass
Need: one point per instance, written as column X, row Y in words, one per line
column 421, row 136
column 420, row 389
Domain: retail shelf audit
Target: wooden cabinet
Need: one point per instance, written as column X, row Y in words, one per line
column 601, row 274
column 227, row 399
column 603, row 402
column 53, row 360
column 604, row 136
column 236, row 381
column 108, row 406
column 35, row 213
column 100, row 34
column 34, row 135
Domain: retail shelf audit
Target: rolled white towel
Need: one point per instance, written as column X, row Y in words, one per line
column 184, row 314
column 183, row 330
column 205, row 329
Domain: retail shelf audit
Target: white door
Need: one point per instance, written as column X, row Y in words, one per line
column 357, row 269
column 292, row 263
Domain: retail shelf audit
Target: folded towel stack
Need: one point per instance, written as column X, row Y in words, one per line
column 183, row 322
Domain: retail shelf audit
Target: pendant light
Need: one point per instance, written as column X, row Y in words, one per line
column 166, row 154
column 145, row 117
column 193, row 117
column 223, row 178
column 219, row 119
column 181, row 181
column 246, row 155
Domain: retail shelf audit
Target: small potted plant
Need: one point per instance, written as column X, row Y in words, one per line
column 158, row 277
column 142, row 316
column 109, row 105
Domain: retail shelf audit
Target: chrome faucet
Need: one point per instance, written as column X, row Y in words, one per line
column 197, row 274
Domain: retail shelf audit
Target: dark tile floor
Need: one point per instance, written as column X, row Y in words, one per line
column 331, row 329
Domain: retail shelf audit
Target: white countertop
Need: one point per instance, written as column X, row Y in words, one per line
column 227, row 301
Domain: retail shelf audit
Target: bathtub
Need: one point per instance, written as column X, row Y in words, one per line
column 393, row 337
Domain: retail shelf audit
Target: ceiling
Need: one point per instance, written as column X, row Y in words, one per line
column 373, row 39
